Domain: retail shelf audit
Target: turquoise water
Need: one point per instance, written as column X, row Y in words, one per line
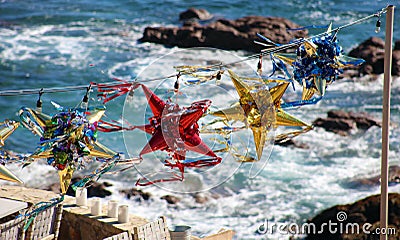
column 52, row 44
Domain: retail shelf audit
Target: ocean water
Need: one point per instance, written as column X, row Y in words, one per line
column 61, row 43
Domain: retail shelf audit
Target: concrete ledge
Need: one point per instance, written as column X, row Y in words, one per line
column 77, row 223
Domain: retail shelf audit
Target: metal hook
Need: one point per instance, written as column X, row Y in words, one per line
column 39, row 102
column 219, row 74
column 176, row 85
column 85, row 100
column 378, row 24
column 86, row 97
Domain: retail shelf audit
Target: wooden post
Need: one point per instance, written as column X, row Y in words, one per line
column 386, row 121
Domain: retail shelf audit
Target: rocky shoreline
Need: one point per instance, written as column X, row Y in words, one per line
column 240, row 34
column 342, row 122
column 363, row 213
column 225, row 34
column 372, row 51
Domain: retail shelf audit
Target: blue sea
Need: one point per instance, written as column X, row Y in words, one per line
column 67, row 43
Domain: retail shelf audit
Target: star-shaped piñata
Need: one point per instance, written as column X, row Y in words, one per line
column 259, row 108
column 282, row 117
column 317, row 63
column 6, row 129
column 254, row 108
column 176, row 131
column 68, row 139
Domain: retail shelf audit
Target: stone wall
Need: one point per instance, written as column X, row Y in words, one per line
column 78, row 223
column 79, row 227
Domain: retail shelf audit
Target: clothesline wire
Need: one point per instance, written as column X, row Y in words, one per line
column 214, row 66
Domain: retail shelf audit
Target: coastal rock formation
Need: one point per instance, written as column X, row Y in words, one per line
column 195, row 13
column 361, row 119
column 171, row 199
column 397, row 45
column 373, row 52
column 201, row 197
column 225, row 34
column 342, row 122
column 136, row 194
column 396, row 60
column 358, row 214
column 339, row 126
column 368, row 182
column 96, row 189
column 291, row 143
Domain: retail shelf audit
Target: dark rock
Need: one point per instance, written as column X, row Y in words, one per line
column 194, row 13
column 372, row 51
column 289, row 142
column 368, row 182
column 365, row 211
column 339, row 126
column 191, row 24
column 362, row 183
column 367, row 69
column 362, row 119
column 136, row 193
column 342, row 122
column 396, row 63
column 225, row 34
column 397, row 45
column 171, row 199
column 107, row 184
column 95, row 189
column 350, row 73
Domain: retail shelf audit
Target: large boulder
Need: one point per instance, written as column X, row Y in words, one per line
column 195, row 13
column 342, row 122
column 95, row 189
column 374, row 181
column 342, row 221
column 362, row 119
column 396, row 61
column 171, row 199
column 136, row 194
column 372, row 51
column 225, row 34
column 336, row 125
column 396, row 45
